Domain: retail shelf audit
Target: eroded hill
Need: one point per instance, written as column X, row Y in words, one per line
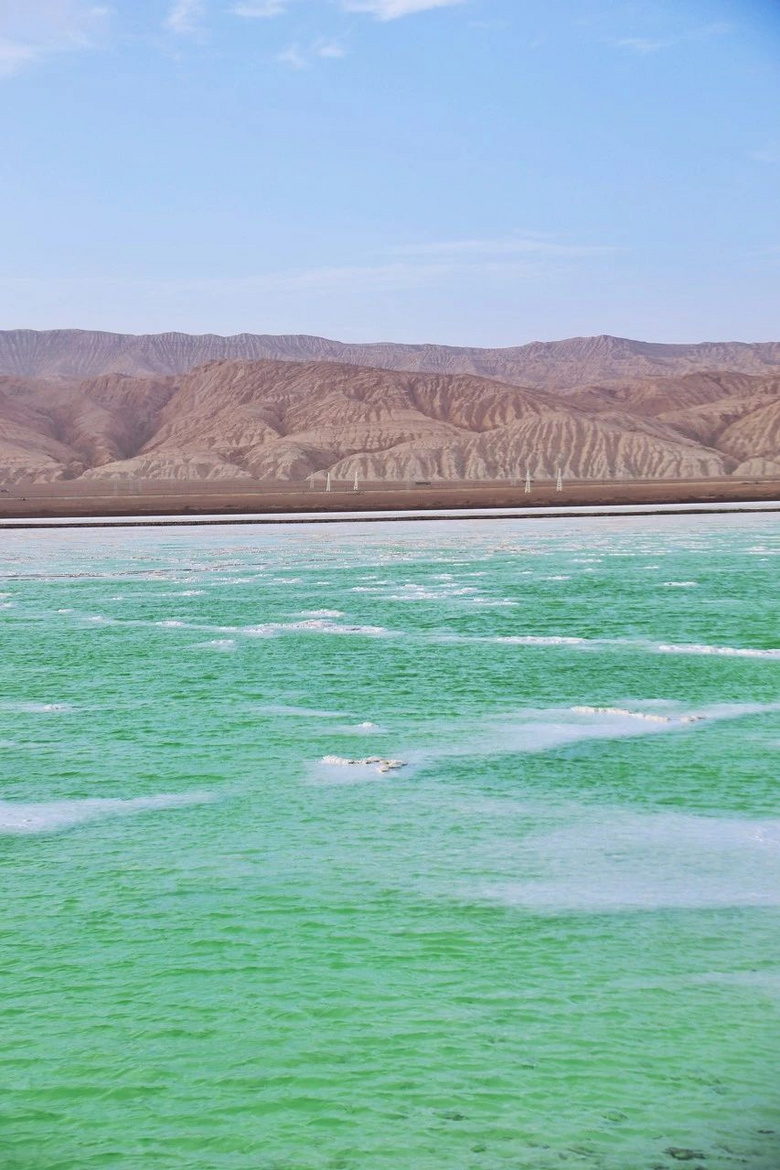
column 286, row 420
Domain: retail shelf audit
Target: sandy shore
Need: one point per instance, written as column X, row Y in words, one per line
column 74, row 501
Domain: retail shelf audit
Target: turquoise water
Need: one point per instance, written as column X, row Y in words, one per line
column 549, row 939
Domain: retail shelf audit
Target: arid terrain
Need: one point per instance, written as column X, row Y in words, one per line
column 92, row 414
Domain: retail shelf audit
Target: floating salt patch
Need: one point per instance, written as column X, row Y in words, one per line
column 415, row 595
column 369, row 761
column 680, row 584
column 24, row 708
column 492, row 602
column 539, row 640
column 646, row 715
column 725, row 651
column 322, row 613
column 316, row 626
column 582, row 710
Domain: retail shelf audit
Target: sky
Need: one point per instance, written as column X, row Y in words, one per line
column 467, row 172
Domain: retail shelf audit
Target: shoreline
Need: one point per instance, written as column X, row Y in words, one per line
column 153, row 505
column 559, row 512
column 389, row 517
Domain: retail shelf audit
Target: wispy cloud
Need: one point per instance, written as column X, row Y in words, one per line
column 329, row 49
column 529, row 245
column 381, row 9
column 393, row 9
column 294, row 57
column 261, row 9
column 14, row 56
column 394, row 276
column 417, row 265
column 646, row 45
column 467, row 264
column 643, row 45
column 34, row 30
column 766, row 154
column 186, row 17
column 303, row 57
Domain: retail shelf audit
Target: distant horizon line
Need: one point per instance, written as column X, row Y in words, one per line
column 411, row 344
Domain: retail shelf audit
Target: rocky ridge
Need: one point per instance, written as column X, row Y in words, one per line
column 557, row 365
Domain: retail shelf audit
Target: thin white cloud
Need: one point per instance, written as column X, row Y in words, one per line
column 529, row 245
column 364, row 276
column 394, row 275
column 260, row 9
column 393, row 9
column 397, row 275
column 14, row 57
column 332, row 49
column 381, row 9
column 426, row 264
column 766, row 154
column 296, row 57
column 34, row 30
column 643, row 45
column 186, row 17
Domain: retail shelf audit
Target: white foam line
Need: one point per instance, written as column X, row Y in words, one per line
column 621, row 861
column 316, row 626
column 31, row 708
column 532, row 731
column 724, row 651
column 564, row 640
column 54, row 816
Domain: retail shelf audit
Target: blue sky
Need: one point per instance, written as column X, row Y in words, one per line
column 475, row 172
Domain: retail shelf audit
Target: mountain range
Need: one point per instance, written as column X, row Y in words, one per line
column 175, row 407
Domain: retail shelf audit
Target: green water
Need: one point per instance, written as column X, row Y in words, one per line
column 551, row 939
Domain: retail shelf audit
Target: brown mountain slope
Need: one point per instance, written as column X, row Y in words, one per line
column 708, row 422
column 282, row 420
column 754, row 439
column 655, row 396
column 29, row 446
column 737, row 414
column 78, row 354
column 581, row 447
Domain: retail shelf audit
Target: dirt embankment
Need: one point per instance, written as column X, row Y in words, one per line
column 92, row 499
